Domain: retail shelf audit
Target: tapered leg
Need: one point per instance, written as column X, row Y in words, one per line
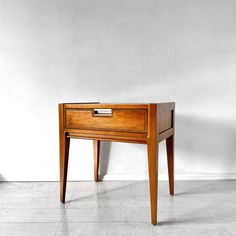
column 153, row 178
column 96, row 154
column 152, row 148
column 64, row 157
column 170, row 161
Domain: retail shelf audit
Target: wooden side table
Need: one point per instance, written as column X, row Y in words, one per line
column 135, row 123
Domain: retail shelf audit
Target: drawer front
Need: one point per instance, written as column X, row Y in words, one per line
column 126, row 120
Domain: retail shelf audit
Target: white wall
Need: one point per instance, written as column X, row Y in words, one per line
column 117, row 51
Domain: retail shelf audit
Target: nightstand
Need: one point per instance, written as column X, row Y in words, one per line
column 134, row 123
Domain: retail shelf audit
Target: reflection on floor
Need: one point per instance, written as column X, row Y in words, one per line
column 117, row 208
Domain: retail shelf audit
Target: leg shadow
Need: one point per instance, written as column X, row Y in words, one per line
column 104, row 158
column 2, row 178
column 208, row 143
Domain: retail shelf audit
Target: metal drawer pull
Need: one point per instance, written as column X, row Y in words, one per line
column 102, row 112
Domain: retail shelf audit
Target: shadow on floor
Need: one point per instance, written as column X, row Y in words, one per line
column 2, row 178
column 116, row 189
column 213, row 142
column 206, row 187
column 104, row 158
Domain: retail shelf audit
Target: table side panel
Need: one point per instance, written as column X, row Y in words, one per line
column 165, row 121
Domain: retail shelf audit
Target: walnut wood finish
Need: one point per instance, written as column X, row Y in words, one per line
column 134, row 123
column 170, row 161
column 96, row 153
column 152, row 146
column 120, row 120
column 170, row 156
column 64, row 154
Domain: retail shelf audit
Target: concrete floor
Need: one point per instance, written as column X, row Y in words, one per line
column 117, row 208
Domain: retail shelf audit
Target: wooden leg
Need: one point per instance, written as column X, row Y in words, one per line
column 170, row 160
column 96, row 151
column 64, row 157
column 153, row 177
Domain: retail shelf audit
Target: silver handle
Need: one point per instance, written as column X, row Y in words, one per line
column 102, row 112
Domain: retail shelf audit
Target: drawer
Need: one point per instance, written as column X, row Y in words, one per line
column 126, row 120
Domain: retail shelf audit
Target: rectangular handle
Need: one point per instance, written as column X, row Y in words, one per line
column 102, row 112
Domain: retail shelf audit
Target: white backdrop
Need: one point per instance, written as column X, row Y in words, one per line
column 117, row 51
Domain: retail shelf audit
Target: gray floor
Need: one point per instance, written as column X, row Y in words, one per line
column 117, row 208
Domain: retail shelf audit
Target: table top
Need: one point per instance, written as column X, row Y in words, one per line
column 168, row 105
